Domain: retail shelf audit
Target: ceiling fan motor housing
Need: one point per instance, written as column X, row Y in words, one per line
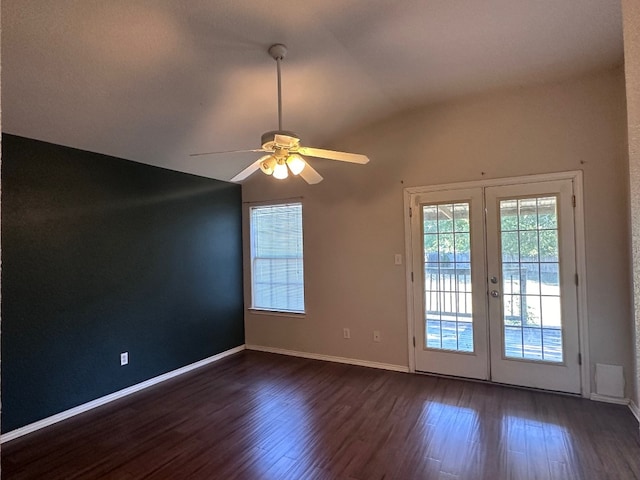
column 269, row 140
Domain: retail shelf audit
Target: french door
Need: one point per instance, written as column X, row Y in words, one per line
column 494, row 291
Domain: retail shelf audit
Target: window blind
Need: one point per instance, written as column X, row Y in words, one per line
column 277, row 275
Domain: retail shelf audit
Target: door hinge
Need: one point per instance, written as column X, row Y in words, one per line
column 414, row 342
column 574, row 201
column 576, row 279
column 410, row 212
column 579, row 358
column 412, row 276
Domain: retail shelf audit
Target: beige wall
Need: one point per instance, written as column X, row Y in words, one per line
column 631, row 17
column 353, row 221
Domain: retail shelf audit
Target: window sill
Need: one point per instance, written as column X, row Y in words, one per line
column 276, row 313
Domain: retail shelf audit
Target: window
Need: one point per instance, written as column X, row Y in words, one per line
column 277, row 275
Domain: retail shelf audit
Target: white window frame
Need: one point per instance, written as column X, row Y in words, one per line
column 275, row 310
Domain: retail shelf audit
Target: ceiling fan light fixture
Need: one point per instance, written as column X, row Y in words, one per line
column 296, row 163
column 280, row 171
column 267, row 164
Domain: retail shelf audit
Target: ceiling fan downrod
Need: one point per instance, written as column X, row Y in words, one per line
column 278, row 52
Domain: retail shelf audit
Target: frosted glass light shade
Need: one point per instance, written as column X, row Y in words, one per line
column 296, row 163
column 267, row 163
column 280, row 171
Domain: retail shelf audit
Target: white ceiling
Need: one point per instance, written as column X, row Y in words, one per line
column 152, row 80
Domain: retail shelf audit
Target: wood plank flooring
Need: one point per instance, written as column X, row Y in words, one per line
column 263, row 416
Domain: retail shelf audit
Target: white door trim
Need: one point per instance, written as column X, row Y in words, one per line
column 583, row 317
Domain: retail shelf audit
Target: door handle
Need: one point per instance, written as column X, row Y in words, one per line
column 495, row 293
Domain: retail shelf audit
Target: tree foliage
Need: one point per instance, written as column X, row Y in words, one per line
column 525, row 237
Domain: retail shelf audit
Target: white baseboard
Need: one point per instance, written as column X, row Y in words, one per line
column 635, row 410
column 45, row 422
column 607, row 399
column 330, row 358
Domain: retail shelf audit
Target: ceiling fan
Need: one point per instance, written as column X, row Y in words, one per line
column 282, row 147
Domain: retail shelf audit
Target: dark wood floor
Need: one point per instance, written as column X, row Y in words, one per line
column 264, row 416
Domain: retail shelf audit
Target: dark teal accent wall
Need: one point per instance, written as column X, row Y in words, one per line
column 100, row 256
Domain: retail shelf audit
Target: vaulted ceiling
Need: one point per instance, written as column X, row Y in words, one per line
column 153, row 81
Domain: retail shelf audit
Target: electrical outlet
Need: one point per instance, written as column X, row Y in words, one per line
column 124, row 358
column 346, row 333
column 376, row 335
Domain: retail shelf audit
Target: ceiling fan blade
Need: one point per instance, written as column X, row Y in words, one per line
column 247, row 171
column 310, row 175
column 333, row 155
column 228, row 151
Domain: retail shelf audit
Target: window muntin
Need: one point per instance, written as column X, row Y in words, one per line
column 447, row 276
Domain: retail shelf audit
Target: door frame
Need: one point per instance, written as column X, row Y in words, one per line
column 576, row 177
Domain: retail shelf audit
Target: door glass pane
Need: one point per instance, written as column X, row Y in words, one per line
column 447, row 277
column 532, row 319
